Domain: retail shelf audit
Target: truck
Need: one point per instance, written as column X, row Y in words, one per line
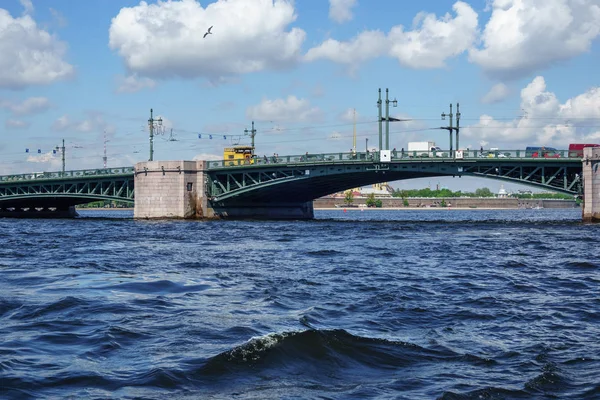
column 576, row 149
column 424, row 149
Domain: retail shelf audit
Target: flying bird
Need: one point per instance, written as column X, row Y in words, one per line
column 208, row 32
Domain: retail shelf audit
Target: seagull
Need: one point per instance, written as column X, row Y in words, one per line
column 208, row 32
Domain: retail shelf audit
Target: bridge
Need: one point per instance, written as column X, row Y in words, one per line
column 256, row 188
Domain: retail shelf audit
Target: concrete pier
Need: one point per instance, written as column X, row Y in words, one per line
column 591, row 184
column 170, row 189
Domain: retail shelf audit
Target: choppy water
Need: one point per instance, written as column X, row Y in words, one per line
column 378, row 304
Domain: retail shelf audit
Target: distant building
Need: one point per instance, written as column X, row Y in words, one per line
column 502, row 192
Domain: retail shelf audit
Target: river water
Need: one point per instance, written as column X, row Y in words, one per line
column 423, row 304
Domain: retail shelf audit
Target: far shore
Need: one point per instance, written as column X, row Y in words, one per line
column 427, row 208
column 367, row 208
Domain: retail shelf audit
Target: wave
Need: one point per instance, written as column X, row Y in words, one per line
column 324, row 352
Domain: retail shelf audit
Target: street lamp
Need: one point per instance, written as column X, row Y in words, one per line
column 152, row 125
column 387, row 119
column 62, row 150
column 450, row 128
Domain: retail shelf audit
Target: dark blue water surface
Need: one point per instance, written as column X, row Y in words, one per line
column 436, row 304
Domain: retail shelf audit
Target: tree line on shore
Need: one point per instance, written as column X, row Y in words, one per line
column 482, row 192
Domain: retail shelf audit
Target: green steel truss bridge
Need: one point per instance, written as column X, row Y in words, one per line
column 294, row 178
column 307, row 177
column 45, row 193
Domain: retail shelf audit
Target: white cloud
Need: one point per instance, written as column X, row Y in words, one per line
column 30, row 56
column 95, row 122
column 49, row 157
column 16, row 124
column 166, row 39
column 27, row 5
column 364, row 46
column 497, row 93
column 207, row 157
column 525, row 35
column 545, row 121
column 291, row 109
column 341, row 10
column 32, row 105
column 432, row 41
column 349, row 115
column 133, row 83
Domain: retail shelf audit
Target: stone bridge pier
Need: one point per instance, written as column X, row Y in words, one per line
column 591, row 184
column 170, row 189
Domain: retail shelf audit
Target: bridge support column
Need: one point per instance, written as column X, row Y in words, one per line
column 170, row 189
column 591, row 184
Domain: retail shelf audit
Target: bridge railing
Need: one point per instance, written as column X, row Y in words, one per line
column 67, row 174
column 396, row 155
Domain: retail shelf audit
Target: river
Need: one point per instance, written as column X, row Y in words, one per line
column 381, row 304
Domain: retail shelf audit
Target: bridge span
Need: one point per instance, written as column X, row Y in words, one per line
column 267, row 187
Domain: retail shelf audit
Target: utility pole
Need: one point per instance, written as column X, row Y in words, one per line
column 62, row 150
column 252, row 133
column 449, row 127
column 387, row 120
column 457, row 124
column 151, row 128
column 380, row 127
column 354, row 136
column 104, row 158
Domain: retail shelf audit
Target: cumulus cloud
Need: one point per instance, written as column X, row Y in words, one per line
column 94, row 122
column 32, row 105
column 525, row 35
column 291, row 109
column 349, row 115
column 497, row 93
column 341, row 10
column 16, row 124
column 166, row 39
column 30, row 56
column 133, row 83
column 545, row 121
column 27, row 5
column 428, row 45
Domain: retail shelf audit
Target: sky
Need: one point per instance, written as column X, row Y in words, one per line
column 307, row 72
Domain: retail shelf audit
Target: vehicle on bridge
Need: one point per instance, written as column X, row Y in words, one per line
column 238, row 155
column 424, row 149
column 541, row 152
column 576, row 149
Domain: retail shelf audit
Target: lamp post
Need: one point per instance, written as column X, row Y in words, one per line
column 251, row 133
column 457, row 124
column 62, row 152
column 387, row 118
column 450, row 128
column 152, row 127
column 379, row 119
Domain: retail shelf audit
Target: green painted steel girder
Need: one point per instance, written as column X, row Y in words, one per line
column 69, row 188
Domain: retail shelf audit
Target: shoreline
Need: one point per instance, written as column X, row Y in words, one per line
column 429, row 208
column 372, row 208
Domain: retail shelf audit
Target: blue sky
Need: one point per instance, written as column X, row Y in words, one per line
column 523, row 71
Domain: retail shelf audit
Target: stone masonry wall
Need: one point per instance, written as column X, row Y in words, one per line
column 169, row 189
column 591, row 184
